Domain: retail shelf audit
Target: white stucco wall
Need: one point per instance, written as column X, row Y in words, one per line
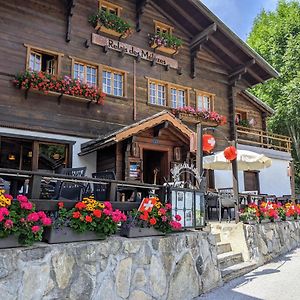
column 273, row 180
column 88, row 161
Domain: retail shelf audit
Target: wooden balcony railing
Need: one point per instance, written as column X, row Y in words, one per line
column 264, row 139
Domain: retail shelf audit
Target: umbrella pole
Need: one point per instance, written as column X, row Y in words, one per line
column 235, row 189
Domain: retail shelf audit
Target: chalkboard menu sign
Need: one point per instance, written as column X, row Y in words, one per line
column 135, row 170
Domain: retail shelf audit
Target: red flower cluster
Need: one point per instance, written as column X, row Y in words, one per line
column 203, row 114
column 46, row 82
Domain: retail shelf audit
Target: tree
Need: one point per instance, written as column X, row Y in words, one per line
column 276, row 37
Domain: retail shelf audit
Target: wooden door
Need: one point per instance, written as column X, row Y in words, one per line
column 251, row 181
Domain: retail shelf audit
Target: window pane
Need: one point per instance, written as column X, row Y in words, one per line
column 161, row 95
column 181, row 98
column 79, row 71
column 118, row 84
column 106, row 85
column 35, row 62
column 173, row 98
column 152, row 93
column 206, row 103
column 199, row 102
column 91, row 77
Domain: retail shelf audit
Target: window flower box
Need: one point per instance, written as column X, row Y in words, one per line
column 65, row 234
column 194, row 116
column 110, row 24
column 165, row 42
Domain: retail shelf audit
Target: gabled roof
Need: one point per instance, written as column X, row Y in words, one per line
column 202, row 26
column 259, row 103
column 134, row 129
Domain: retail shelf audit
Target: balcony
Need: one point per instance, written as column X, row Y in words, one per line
column 264, row 139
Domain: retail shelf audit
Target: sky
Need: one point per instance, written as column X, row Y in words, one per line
column 239, row 15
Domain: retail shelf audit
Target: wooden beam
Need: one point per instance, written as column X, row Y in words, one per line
column 204, row 35
column 140, row 9
column 70, row 5
column 157, row 129
column 242, row 69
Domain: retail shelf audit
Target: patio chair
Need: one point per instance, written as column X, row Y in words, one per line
column 226, row 201
column 101, row 191
column 70, row 190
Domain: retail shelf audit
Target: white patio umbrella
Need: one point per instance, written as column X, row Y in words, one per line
column 246, row 161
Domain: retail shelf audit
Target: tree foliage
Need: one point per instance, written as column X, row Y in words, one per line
column 276, row 37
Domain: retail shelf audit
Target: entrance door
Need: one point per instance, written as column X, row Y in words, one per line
column 155, row 161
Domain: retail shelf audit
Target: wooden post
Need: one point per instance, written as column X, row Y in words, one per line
column 35, row 187
column 199, row 156
column 292, row 180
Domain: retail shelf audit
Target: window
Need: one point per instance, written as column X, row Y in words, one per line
column 110, row 7
column 178, row 98
column 240, row 117
column 43, row 60
column 167, row 94
column 113, row 82
column 162, row 28
column 85, row 73
column 205, row 101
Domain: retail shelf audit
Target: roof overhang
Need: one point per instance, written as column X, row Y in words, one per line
column 136, row 128
column 258, row 103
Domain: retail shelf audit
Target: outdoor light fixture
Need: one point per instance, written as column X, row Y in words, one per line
column 29, row 154
column 11, row 156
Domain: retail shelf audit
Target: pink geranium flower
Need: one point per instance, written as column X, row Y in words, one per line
column 35, row 228
column 33, row 217
column 22, row 198
column 8, row 224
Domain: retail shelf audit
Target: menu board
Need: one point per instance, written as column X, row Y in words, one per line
column 135, row 170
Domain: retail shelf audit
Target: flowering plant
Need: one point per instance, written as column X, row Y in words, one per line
column 160, row 218
column 163, row 39
column 45, row 82
column 90, row 215
column 20, row 218
column 292, row 210
column 203, row 114
column 111, row 21
column 249, row 213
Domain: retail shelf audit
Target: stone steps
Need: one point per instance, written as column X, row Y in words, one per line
column 229, row 259
column 223, row 248
column 237, row 270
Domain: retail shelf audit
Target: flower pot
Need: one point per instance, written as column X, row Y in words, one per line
column 164, row 49
column 9, row 242
column 66, row 235
column 132, row 232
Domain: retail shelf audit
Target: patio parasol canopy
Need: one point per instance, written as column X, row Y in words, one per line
column 246, row 161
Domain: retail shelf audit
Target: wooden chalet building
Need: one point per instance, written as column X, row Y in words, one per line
column 50, row 123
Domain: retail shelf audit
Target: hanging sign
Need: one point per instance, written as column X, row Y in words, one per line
column 134, row 51
column 208, row 142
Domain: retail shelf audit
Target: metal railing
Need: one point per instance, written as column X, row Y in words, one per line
column 264, row 139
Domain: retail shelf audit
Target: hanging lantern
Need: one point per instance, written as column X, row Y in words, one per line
column 230, row 153
column 208, row 142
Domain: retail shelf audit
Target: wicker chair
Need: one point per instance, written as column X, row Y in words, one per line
column 226, row 201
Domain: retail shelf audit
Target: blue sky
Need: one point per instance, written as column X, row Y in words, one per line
column 239, row 15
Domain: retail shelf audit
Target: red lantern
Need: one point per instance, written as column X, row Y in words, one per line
column 230, row 153
column 208, row 142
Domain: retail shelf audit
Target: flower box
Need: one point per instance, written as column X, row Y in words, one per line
column 9, row 242
column 100, row 27
column 264, row 221
column 164, row 49
column 250, row 222
column 66, row 235
column 189, row 118
column 132, row 232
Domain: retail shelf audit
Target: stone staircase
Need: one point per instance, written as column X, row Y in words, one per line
column 231, row 264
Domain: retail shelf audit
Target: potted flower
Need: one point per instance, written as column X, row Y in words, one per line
column 192, row 115
column 158, row 221
column 50, row 84
column 111, row 24
column 250, row 214
column 20, row 224
column 292, row 211
column 165, row 42
column 87, row 220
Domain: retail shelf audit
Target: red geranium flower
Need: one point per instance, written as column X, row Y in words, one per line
column 76, row 214
column 97, row 213
column 89, row 219
column 152, row 221
column 144, row 216
column 60, row 204
column 80, row 205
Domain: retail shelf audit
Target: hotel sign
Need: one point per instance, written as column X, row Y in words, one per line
column 134, row 51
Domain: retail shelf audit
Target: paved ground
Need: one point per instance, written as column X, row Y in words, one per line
column 279, row 279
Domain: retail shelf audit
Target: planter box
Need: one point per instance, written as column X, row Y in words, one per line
column 67, row 235
column 167, row 50
column 133, row 232
column 250, row 222
column 195, row 119
column 264, row 221
column 100, row 27
column 9, row 242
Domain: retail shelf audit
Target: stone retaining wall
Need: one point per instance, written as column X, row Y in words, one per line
column 269, row 240
column 179, row 266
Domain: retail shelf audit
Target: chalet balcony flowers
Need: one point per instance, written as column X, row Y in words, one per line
column 111, row 24
column 50, row 84
column 192, row 115
column 165, row 42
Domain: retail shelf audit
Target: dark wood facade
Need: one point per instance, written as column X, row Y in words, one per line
column 212, row 60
